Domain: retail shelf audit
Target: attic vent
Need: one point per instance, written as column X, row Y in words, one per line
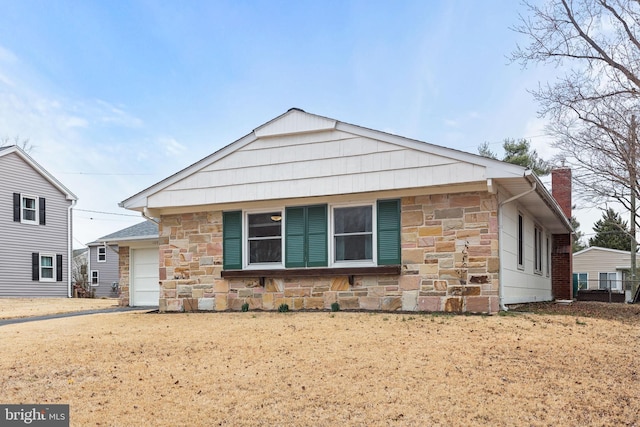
column 295, row 109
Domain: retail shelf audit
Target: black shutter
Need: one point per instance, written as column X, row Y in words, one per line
column 16, row 207
column 42, row 215
column 35, row 266
column 58, row 267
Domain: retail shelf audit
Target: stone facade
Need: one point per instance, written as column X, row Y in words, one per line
column 123, row 283
column 449, row 263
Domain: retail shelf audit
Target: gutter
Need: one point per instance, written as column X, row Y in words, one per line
column 70, row 248
column 145, row 214
column 500, row 221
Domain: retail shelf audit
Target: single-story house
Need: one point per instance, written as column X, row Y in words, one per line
column 596, row 268
column 35, row 221
column 125, row 265
column 310, row 211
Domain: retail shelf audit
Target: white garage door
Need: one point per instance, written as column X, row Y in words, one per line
column 145, row 290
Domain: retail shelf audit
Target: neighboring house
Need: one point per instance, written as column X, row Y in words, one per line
column 310, row 211
column 131, row 253
column 102, row 269
column 35, row 219
column 602, row 268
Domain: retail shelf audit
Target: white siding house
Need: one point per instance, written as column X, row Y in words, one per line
column 35, row 219
column 310, row 211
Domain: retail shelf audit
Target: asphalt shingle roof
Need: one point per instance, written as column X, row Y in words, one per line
column 147, row 229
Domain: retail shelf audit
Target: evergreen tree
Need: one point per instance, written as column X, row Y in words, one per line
column 611, row 232
column 518, row 153
column 577, row 240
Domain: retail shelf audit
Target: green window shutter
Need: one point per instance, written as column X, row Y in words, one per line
column 294, row 237
column 232, row 240
column 317, row 236
column 389, row 232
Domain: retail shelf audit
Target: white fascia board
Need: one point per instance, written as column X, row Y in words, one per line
column 139, row 201
column 42, row 171
column 494, row 168
column 548, row 199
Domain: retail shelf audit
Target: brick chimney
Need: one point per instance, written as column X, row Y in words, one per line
column 561, row 254
column 561, row 189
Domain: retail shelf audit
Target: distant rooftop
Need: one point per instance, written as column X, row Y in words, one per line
column 144, row 230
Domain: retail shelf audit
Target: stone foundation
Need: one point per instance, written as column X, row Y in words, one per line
column 449, row 263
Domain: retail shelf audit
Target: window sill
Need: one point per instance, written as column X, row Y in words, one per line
column 350, row 272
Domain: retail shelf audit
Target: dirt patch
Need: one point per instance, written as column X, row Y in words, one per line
column 326, row 369
column 626, row 313
column 27, row 307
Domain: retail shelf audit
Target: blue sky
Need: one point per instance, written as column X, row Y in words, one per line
column 117, row 95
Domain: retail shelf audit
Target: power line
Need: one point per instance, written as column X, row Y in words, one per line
column 105, row 213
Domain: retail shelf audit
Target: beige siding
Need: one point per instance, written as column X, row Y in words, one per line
column 20, row 240
column 598, row 260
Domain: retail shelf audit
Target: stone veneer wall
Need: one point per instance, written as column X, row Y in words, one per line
column 123, row 282
column 449, row 255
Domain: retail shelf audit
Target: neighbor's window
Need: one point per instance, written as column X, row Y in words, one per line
column 537, row 250
column 353, row 233
column 265, row 237
column 609, row 281
column 583, row 283
column 29, row 207
column 94, row 277
column 520, row 241
column 102, row 254
column 47, row 268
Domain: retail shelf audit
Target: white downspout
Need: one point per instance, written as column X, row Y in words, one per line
column 509, row 200
column 70, row 247
column 145, row 214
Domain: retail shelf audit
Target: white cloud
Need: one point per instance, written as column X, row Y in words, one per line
column 7, row 56
column 171, row 146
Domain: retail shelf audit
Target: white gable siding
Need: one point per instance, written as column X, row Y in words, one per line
column 308, row 165
column 19, row 240
column 521, row 285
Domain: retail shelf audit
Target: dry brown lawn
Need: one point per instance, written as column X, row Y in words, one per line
column 328, row 369
column 29, row 307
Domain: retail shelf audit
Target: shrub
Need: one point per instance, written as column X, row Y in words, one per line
column 335, row 307
column 283, row 308
column 245, row 307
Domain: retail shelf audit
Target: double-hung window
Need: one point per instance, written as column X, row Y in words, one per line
column 353, row 234
column 102, row 254
column 313, row 236
column 264, row 235
column 95, row 278
column 29, row 209
column 47, row 268
column 582, row 279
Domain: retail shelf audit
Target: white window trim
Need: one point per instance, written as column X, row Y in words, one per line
column 245, row 240
column 36, row 221
column 538, row 252
column 586, row 280
column 374, row 236
column 97, row 278
column 53, row 267
column 617, row 282
column 98, row 254
column 548, row 250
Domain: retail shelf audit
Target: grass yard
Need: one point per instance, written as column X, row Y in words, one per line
column 29, row 307
column 328, row 369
